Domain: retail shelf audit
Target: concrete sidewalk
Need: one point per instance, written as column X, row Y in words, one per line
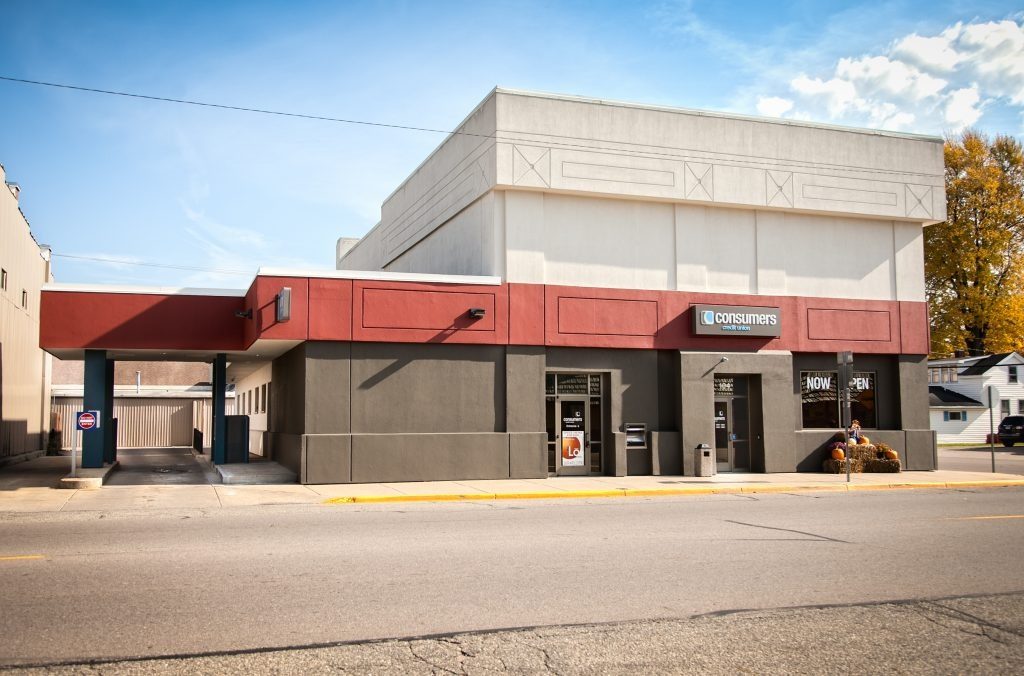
column 18, row 493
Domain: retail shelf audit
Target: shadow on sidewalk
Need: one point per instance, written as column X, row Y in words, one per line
column 159, row 467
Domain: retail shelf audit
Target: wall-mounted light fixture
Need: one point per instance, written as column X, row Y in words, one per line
column 284, row 304
column 244, row 315
column 477, row 312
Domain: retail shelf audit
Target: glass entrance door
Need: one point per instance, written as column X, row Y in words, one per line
column 573, row 437
column 722, row 450
column 732, row 423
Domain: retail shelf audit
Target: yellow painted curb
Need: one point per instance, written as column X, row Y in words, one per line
column 868, row 487
column 837, row 488
column 441, row 497
column 986, row 484
column 23, row 557
column 666, row 492
column 614, row 493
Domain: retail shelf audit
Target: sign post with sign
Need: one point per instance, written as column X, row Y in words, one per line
column 85, row 421
column 845, row 361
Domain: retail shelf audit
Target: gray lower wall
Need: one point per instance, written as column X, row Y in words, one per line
column 369, row 458
column 776, row 450
column 368, row 412
column 416, row 388
column 917, row 448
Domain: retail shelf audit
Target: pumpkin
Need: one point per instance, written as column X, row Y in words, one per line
column 865, row 441
column 837, row 454
column 891, row 454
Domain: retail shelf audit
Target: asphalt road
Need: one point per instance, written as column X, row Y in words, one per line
column 976, row 635
column 979, row 459
column 115, row 585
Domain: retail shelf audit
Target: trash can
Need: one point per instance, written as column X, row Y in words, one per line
column 704, row 461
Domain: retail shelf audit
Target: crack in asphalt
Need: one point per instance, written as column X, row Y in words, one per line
column 790, row 530
column 543, row 651
column 928, row 612
column 434, row 666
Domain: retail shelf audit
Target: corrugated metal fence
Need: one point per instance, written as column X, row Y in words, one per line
column 146, row 422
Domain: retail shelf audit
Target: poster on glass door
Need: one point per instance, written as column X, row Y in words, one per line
column 572, row 448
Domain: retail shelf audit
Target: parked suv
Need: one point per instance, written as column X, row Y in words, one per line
column 1011, row 430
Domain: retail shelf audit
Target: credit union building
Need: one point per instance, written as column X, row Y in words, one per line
column 577, row 286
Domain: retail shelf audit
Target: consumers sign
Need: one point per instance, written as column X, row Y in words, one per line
column 736, row 320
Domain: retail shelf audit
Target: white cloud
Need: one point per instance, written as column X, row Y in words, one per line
column 933, row 54
column 880, row 76
column 773, row 106
column 962, row 108
column 930, row 83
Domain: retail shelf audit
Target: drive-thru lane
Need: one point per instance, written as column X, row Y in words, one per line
column 113, row 584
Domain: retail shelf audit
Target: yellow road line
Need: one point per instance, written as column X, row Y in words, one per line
column 23, row 557
column 986, row 518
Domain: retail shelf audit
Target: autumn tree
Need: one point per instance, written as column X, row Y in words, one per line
column 974, row 261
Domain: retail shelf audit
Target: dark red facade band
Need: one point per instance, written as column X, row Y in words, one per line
column 505, row 314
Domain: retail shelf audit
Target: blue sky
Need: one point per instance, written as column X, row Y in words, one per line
column 148, row 182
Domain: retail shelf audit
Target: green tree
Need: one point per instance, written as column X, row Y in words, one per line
column 974, row 261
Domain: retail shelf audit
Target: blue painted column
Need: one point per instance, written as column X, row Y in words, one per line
column 218, row 446
column 95, row 399
column 109, row 432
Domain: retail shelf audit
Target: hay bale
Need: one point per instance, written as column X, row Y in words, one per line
column 862, row 452
column 831, row 466
column 883, row 465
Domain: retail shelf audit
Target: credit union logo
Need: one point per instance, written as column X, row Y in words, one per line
column 737, row 320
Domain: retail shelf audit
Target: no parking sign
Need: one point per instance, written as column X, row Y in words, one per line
column 87, row 420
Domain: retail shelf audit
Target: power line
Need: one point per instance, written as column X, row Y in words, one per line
column 117, row 261
column 244, row 109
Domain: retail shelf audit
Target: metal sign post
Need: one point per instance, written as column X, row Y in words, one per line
column 845, row 361
column 993, row 397
column 84, row 421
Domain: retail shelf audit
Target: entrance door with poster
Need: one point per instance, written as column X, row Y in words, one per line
column 573, row 437
column 574, row 413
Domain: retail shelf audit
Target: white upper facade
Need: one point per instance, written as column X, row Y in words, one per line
column 560, row 190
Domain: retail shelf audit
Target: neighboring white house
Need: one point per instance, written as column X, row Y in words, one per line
column 956, row 393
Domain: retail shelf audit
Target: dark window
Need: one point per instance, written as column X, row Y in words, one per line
column 819, row 399
column 263, row 399
column 958, row 416
column 1013, row 374
column 24, row 298
column 1004, row 408
column 3, row 280
column 862, row 399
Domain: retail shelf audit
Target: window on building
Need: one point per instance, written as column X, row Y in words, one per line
column 3, row 279
column 819, row 395
column 945, row 375
column 263, row 399
column 266, row 398
column 1013, row 374
column 1020, row 407
column 1004, row 408
column 933, row 376
column 954, row 376
column 958, row 416
column 24, row 298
